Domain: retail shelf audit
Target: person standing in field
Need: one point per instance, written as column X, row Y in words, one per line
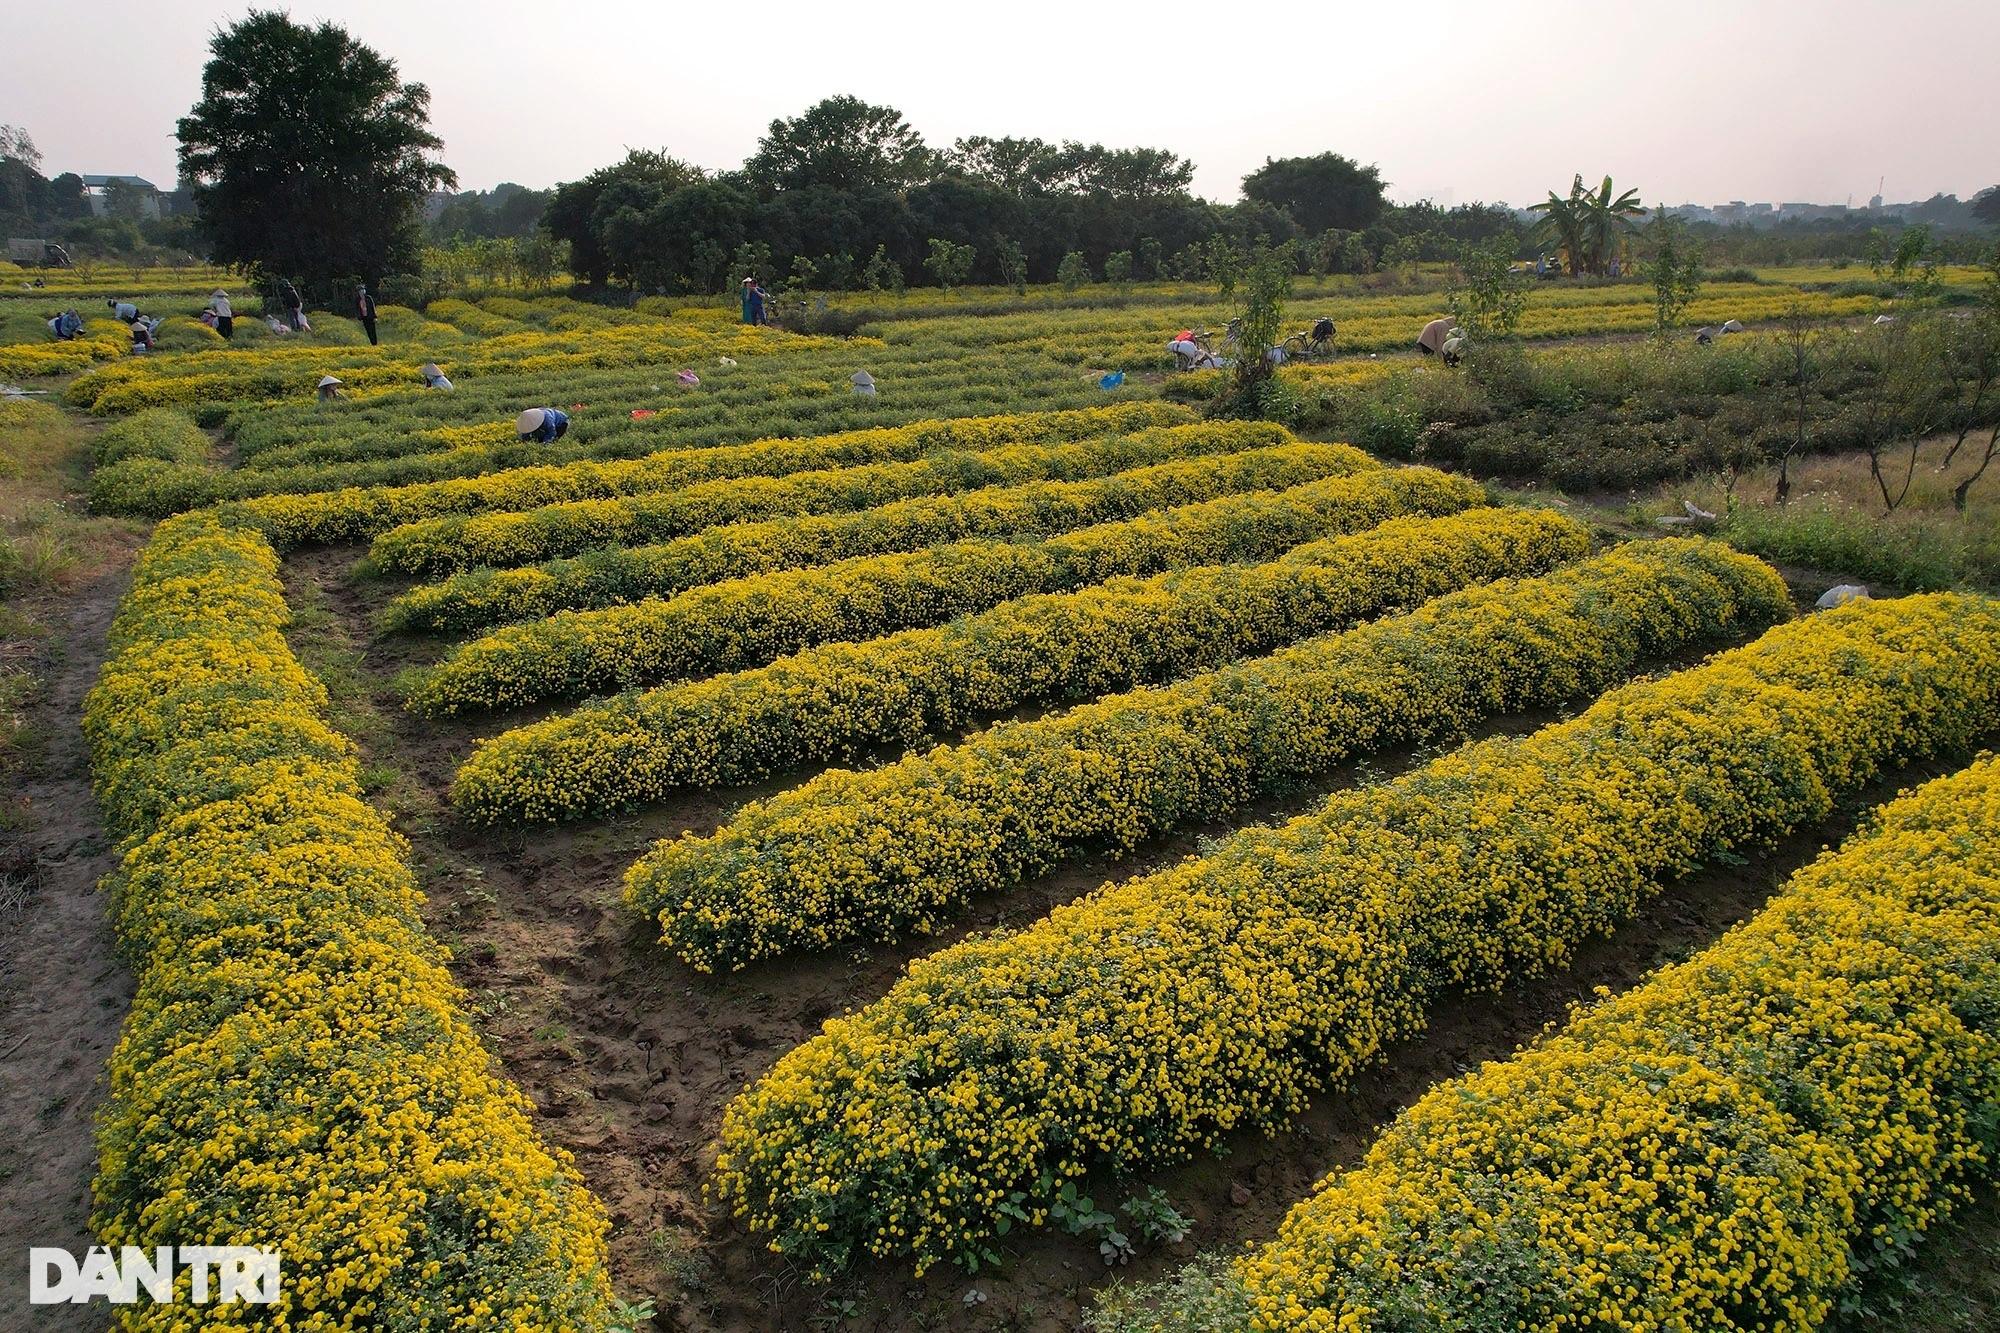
column 225, row 316
column 364, row 307
column 753, row 302
column 288, row 296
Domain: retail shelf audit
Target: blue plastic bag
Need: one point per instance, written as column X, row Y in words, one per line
column 1112, row 381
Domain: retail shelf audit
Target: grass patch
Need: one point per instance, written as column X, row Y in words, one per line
column 321, row 642
column 324, row 644
column 48, row 543
column 1836, row 520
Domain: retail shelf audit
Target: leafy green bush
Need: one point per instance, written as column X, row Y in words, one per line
column 165, row 433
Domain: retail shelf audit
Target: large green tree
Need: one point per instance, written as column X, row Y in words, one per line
column 842, row 143
column 307, row 156
column 1319, row 192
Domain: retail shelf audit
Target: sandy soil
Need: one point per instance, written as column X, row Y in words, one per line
column 63, row 989
column 630, row 1057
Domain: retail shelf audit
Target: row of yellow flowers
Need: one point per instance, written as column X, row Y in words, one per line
column 902, row 849
column 102, row 340
column 1145, row 1021
column 297, row 1071
column 287, row 368
column 1728, row 1146
column 1133, row 336
column 828, row 703
column 462, row 542
column 362, row 512
column 611, row 575
column 750, row 621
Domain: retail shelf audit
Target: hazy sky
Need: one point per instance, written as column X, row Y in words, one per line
column 1689, row 100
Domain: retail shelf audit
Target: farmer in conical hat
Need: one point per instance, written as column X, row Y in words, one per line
column 225, row 315
column 329, row 388
column 433, row 377
column 541, row 425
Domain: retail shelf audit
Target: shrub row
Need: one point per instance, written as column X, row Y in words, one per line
column 900, row 849
column 785, row 410
column 255, row 370
column 1128, row 1029
column 357, row 513
column 751, row 621
column 463, row 541
column 297, row 1070
column 163, row 433
column 1729, row 1145
column 829, row 702
column 791, row 393
column 143, row 460
column 612, row 575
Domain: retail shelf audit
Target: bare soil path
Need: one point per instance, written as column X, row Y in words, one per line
column 63, row 989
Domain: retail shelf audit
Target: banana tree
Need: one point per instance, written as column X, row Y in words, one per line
column 1586, row 225
column 1610, row 219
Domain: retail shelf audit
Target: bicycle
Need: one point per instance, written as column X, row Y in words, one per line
column 1312, row 344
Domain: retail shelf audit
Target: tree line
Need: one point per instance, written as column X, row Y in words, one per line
column 848, row 195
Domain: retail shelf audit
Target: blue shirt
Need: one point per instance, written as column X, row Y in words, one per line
column 553, row 425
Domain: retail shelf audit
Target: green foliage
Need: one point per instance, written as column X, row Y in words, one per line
column 1013, row 262
column 1118, row 269
column 307, row 156
column 840, row 143
column 882, row 273
column 1033, row 167
column 1319, row 192
column 630, row 1316
column 1074, row 271
column 1920, row 552
column 1267, row 275
column 1076, row 1213
column 1155, row 1218
column 165, row 433
column 1152, row 263
column 1224, row 263
column 1489, row 303
column 1588, row 224
column 752, row 260
column 950, row 264
column 1203, row 1297
column 578, row 211
column 1915, row 266
column 1676, row 269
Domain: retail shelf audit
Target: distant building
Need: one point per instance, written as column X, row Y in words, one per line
column 99, row 189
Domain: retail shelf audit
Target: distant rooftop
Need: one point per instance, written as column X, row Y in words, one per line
column 99, row 182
